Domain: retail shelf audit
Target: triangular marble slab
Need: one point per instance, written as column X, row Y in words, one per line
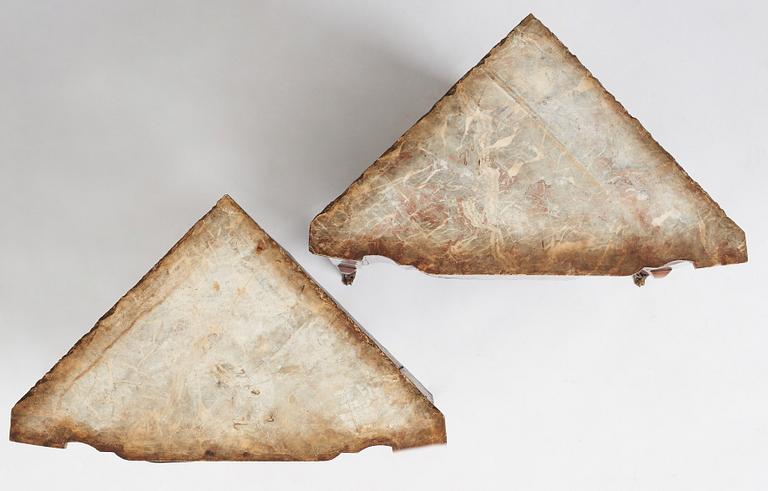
column 227, row 350
column 527, row 166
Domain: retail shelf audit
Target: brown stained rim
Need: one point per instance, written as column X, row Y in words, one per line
column 318, row 248
column 63, row 435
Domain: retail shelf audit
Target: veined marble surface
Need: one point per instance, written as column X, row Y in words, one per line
column 227, row 350
column 528, row 166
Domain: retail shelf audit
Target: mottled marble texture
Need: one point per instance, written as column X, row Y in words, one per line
column 528, row 166
column 227, row 350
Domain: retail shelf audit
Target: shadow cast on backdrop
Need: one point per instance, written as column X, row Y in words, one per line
column 339, row 101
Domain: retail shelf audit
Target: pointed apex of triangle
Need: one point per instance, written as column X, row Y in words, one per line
column 227, row 200
column 528, row 18
column 227, row 350
column 527, row 166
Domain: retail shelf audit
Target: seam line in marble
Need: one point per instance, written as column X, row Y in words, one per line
column 505, row 87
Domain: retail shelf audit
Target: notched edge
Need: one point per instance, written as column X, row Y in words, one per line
column 62, row 435
column 735, row 255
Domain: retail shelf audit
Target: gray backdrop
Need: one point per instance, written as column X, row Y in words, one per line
column 121, row 123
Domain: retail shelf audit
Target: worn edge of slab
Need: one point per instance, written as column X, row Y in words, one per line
column 320, row 249
column 65, row 435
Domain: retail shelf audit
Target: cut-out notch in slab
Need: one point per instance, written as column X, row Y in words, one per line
column 227, row 350
column 527, row 166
